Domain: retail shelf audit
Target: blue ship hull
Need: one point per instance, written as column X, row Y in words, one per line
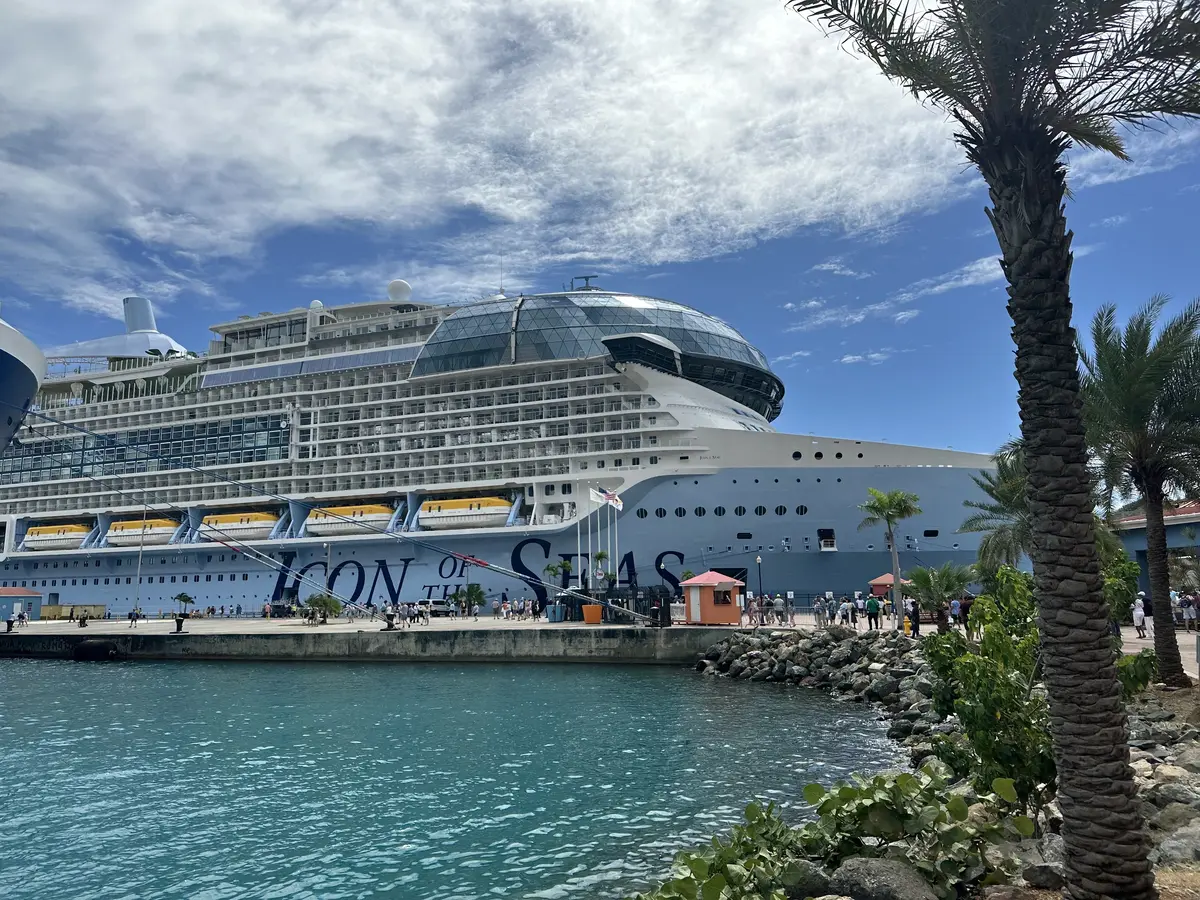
column 653, row 548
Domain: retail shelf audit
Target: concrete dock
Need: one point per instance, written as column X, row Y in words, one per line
column 445, row 640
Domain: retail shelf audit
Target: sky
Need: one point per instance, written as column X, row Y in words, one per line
column 227, row 158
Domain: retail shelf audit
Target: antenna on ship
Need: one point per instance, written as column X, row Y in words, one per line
column 587, row 282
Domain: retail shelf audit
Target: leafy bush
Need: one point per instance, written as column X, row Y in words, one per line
column 913, row 817
column 1120, row 587
column 325, row 604
column 992, row 691
column 759, row 858
column 1136, row 673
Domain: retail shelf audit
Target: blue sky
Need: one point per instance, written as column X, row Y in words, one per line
column 721, row 153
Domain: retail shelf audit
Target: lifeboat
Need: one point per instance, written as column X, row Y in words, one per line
column 357, row 519
column 243, row 526
column 135, row 532
column 464, row 512
column 56, row 537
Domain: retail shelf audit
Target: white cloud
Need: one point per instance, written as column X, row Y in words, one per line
column 874, row 357
column 835, row 266
column 198, row 130
column 905, row 315
column 1149, row 151
column 1113, row 221
column 790, row 357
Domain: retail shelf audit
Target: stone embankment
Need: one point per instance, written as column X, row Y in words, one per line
column 881, row 667
column 887, row 669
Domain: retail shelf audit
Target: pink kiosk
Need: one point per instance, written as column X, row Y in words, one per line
column 712, row 599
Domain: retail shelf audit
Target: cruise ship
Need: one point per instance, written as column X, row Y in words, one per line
column 395, row 450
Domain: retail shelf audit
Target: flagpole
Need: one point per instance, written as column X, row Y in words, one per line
column 617, row 544
column 589, row 556
column 578, row 554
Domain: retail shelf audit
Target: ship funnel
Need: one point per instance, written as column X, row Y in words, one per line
column 139, row 315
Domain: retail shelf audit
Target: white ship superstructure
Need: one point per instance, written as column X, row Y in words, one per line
column 341, row 441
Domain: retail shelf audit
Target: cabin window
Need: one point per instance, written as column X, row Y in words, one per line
column 566, row 488
column 208, row 578
column 549, row 489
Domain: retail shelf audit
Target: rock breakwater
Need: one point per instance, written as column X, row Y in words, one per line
column 881, row 667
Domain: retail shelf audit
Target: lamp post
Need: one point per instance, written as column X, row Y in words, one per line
column 762, row 610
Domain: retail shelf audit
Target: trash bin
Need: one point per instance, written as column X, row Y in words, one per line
column 592, row 613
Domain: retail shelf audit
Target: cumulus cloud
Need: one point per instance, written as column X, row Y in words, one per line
column 556, row 132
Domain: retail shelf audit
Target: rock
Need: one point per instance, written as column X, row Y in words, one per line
column 1171, row 792
column 1045, row 876
column 1136, row 754
column 1052, row 849
column 1174, row 816
column 876, row 667
column 737, row 667
column 924, row 687
column 1142, row 767
column 880, row 879
column 1155, row 714
column 1168, row 774
column 885, row 687
column 1189, row 758
column 1179, row 848
column 902, row 673
column 979, row 814
column 802, row 878
column 1008, row 892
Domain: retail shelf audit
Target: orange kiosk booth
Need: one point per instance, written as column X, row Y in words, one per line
column 712, row 599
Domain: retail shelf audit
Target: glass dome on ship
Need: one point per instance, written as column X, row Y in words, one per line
column 583, row 324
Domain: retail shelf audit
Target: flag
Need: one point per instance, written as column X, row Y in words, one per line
column 611, row 498
column 596, row 496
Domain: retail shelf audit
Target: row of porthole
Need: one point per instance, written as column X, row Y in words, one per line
column 720, row 511
column 796, row 454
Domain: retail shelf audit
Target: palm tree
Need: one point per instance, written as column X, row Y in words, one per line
column 1024, row 81
column 553, row 571
column 886, row 510
column 1004, row 517
column 933, row 589
column 1142, row 407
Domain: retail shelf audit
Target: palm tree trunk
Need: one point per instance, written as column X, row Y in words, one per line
column 897, row 594
column 1166, row 647
column 1103, row 827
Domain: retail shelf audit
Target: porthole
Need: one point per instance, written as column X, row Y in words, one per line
column 641, row 514
column 955, row 546
column 818, row 455
column 660, row 512
column 870, row 546
column 756, row 481
column 860, row 456
column 777, row 481
column 839, row 481
column 796, row 454
column 818, row 481
column 838, row 455
column 801, row 510
column 718, row 510
column 695, row 482
column 699, row 510
column 931, row 532
column 680, row 511
column 739, row 510
column 760, row 510
column 781, row 510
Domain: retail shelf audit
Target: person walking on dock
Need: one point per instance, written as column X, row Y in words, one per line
column 873, row 614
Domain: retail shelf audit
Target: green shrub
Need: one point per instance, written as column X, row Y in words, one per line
column 992, row 691
column 1136, row 673
column 908, row 816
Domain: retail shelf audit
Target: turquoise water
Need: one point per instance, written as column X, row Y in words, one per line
column 207, row 781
